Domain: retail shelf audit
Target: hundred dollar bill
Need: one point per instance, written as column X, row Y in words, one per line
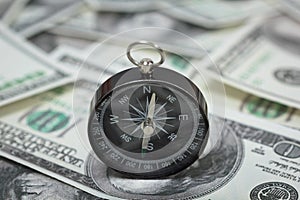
column 40, row 133
column 39, row 15
column 264, row 161
column 248, row 104
column 19, row 182
column 264, row 61
column 214, row 13
column 4, row 5
column 48, row 40
column 291, row 8
column 101, row 25
column 77, row 60
column 9, row 9
column 123, row 5
column 25, row 70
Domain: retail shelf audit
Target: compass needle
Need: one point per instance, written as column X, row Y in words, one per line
column 147, row 125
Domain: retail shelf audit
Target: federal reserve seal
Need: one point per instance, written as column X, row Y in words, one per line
column 288, row 76
column 274, row 191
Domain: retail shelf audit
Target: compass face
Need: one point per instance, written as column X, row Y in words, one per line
column 148, row 129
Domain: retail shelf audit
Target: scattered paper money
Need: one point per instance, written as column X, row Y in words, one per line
column 4, row 5
column 124, row 5
column 264, row 61
column 100, row 25
column 25, row 71
column 215, row 13
column 49, row 40
column 242, row 150
column 248, row 104
column 39, row 15
column 10, row 10
column 51, row 145
column 45, row 99
column 291, row 8
column 19, row 182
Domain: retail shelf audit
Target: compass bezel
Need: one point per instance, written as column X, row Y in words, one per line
column 133, row 76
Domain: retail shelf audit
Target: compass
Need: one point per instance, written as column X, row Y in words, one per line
column 148, row 121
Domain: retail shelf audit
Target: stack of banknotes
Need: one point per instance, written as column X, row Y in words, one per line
column 48, row 65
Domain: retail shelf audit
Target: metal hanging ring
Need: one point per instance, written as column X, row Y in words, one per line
column 156, row 47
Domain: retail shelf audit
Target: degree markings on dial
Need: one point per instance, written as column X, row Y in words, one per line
column 108, row 151
column 188, row 151
column 174, row 161
column 122, row 160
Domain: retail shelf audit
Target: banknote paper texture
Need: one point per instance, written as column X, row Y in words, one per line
column 214, row 14
column 265, row 61
column 4, row 6
column 10, row 9
column 25, row 71
column 291, row 8
column 101, row 25
column 242, row 150
column 48, row 40
column 124, row 5
column 19, row 182
column 39, row 15
column 45, row 151
column 45, row 138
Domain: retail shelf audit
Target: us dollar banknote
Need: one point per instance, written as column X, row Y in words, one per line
column 291, row 8
column 271, row 158
column 214, row 14
column 39, row 15
column 9, row 10
column 101, row 25
column 44, row 138
column 264, row 61
column 49, row 40
column 20, row 182
column 44, row 133
column 35, row 72
column 47, row 138
column 252, row 105
column 124, row 5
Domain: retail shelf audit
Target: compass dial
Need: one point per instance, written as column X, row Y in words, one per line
column 148, row 128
